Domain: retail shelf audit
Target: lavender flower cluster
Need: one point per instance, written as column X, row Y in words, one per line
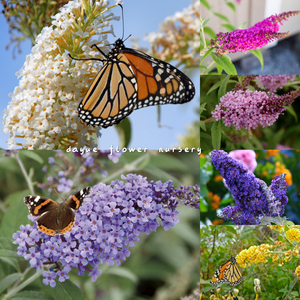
column 253, row 197
column 248, row 109
column 108, row 223
column 257, row 36
column 273, row 82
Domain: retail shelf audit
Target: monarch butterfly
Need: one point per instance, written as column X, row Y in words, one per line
column 131, row 79
column 228, row 273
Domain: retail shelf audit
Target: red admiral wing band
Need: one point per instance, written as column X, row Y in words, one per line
column 55, row 218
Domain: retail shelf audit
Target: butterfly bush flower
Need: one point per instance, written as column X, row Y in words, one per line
column 273, row 82
column 257, row 36
column 110, row 221
column 179, row 37
column 253, row 197
column 43, row 111
column 249, row 109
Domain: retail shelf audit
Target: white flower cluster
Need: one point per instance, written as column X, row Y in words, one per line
column 43, row 111
column 189, row 20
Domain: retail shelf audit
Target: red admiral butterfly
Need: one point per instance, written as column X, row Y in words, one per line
column 55, row 218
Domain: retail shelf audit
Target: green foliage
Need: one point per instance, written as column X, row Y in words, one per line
column 218, row 243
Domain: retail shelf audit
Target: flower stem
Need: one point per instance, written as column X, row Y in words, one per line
column 15, row 289
column 127, row 168
column 26, row 175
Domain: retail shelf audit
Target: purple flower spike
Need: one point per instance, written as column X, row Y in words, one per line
column 110, row 221
column 253, row 197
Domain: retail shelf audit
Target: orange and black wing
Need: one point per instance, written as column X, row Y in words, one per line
column 158, row 82
column 112, row 95
column 228, row 273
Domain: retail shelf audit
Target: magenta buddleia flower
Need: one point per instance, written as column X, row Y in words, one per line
column 253, row 197
column 273, row 82
column 110, row 221
column 257, row 36
column 248, row 109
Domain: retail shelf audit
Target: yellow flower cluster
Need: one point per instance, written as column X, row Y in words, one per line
column 215, row 200
column 254, row 255
column 286, row 256
column 270, row 153
column 218, row 178
column 297, row 271
column 278, row 227
column 293, row 235
column 281, row 169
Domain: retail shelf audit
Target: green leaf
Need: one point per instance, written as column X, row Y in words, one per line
column 6, row 244
column 124, row 132
column 31, row 295
column 9, row 281
column 225, row 63
column 159, row 173
column 210, row 32
column 8, row 253
column 229, row 27
column 202, row 126
column 205, row 3
column 203, row 206
column 257, row 53
column 206, row 54
column 204, row 23
column 231, row 5
column 223, row 17
column 122, row 272
column 291, row 110
column 202, row 108
column 223, row 86
column 15, row 215
column 216, row 133
column 66, row 290
column 33, row 155
column 215, row 86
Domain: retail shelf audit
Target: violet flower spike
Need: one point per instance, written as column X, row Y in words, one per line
column 253, row 197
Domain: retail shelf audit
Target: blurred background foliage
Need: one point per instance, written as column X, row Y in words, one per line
column 281, row 135
column 218, row 243
column 270, row 163
column 162, row 265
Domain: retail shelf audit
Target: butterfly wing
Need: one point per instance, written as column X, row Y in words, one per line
column 112, row 95
column 37, row 205
column 158, row 82
column 76, row 200
column 233, row 275
column 50, row 224
column 228, row 273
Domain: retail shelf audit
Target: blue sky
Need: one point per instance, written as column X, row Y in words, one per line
column 141, row 17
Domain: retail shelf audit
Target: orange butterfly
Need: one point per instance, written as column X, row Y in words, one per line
column 228, row 273
column 129, row 80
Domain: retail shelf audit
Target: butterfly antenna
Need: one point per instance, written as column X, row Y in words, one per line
column 122, row 21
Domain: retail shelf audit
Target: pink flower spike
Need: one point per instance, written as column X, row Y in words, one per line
column 249, row 109
column 257, row 36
